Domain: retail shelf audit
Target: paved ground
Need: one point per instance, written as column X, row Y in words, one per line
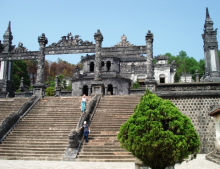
column 199, row 163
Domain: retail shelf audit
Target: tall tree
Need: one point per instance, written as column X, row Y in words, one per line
column 19, row 70
column 32, row 70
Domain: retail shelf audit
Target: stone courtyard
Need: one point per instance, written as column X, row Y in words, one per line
column 199, row 163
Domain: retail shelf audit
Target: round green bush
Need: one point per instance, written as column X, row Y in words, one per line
column 158, row 133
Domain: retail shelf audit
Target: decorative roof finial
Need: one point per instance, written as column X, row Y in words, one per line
column 207, row 13
column 9, row 26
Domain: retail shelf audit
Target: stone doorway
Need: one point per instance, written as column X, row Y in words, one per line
column 85, row 90
column 92, row 66
column 110, row 89
column 162, row 79
column 108, row 64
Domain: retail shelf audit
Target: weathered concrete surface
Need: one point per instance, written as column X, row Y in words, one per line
column 199, row 163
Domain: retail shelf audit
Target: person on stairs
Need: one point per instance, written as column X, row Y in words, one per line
column 83, row 103
column 86, row 131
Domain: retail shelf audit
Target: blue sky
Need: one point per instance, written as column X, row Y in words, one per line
column 176, row 24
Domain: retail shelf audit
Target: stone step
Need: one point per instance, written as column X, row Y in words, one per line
column 46, row 158
column 102, row 156
column 90, row 159
column 42, row 146
column 31, row 154
column 106, row 153
column 31, row 138
column 45, row 133
column 31, row 149
column 102, row 149
column 28, row 151
column 103, row 143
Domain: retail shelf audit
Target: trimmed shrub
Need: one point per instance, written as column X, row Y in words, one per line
column 158, row 133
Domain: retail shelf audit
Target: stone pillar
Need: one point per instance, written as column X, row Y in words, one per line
column 21, row 87
column 89, row 90
column 98, row 56
column 197, row 76
column 150, row 80
column 114, row 90
column 56, row 82
column 217, row 130
column 6, row 66
column 97, row 85
column 106, row 90
column 39, row 85
column 210, row 46
column 77, row 72
column 57, row 88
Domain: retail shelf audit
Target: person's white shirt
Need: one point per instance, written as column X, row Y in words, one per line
column 84, row 99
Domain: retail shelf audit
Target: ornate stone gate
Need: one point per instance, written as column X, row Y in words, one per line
column 67, row 45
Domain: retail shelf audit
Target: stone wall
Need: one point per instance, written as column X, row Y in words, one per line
column 197, row 108
column 195, row 100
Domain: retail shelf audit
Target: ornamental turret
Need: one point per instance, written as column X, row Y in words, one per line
column 210, row 51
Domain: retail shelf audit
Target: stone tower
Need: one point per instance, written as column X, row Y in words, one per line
column 6, row 66
column 212, row 73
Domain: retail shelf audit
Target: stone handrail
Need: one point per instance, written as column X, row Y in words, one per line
column 13, row 119
column 75, row 135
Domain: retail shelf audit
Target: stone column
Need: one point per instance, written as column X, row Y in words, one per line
column 150, row 80
column 98, row 56
column 39, row 85
column 106, row 90
column 114, row 90
column 21, row 87
column 97, row 85
column 197, row 76
column 57, row 88
column 6, row 66
column 89, row 90
column 211, row 51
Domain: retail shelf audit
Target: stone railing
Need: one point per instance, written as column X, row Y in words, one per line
column 24, row 94
column 182, row 89
column 75, row 135
column 187, row 89
column 65, row 93
column 13, row 119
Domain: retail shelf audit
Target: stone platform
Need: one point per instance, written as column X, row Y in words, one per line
column 199, row 163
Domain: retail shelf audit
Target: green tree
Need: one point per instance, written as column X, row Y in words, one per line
column 136, row 85
column 19, row 70
column 50, row 91
column 69, row 87
column 158, row 133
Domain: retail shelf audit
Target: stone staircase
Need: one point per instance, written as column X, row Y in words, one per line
column 214, row 156
column 10, row 105
column 43, row 132
column 110, row 114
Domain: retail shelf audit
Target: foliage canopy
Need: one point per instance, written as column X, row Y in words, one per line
column 19, row 70
column 158, row 133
